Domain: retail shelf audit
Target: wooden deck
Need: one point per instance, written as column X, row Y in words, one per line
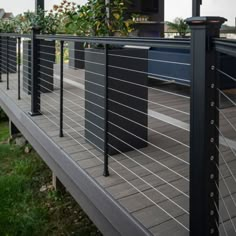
column 143, row 183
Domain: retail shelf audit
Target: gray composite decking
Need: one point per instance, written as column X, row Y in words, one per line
column 138, row 197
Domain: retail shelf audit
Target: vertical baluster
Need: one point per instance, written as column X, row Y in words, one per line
column 61, row 86
column 7, row 61
column 35, row 81
column 1, row 58
column 19, row 66
column 106, row 146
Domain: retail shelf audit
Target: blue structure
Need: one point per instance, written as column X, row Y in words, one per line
column 170, row 65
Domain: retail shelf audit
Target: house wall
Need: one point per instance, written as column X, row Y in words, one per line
column 154, row 27
column 2, row 12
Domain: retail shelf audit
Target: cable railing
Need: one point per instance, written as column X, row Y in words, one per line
column 70, row 97
column 130, row 108
column 226, row 109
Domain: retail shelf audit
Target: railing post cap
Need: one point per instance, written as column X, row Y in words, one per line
column 205, row 20
column 36, row 28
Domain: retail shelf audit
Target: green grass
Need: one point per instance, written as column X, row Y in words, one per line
column 24, row 209
column 4, row 131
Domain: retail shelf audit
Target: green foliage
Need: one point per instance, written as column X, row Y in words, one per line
column 47, row 22
column 66, row 12
column 179, row 25
column 118, row 20
column 8, row 26
column 91, row 19
column 85, row 20
column 4, row 132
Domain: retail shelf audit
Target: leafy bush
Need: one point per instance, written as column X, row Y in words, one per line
column 179, row 25
column 8, row 26
column 47, row 22
column 91, row 19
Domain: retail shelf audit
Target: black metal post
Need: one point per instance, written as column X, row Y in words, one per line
column 1, row 59
column 204, row 136
column 19, row 64
column 196, row 7
column 61, row 87
column 106, row 146
column 39, row 4
column 7, row 62
column 35, row 81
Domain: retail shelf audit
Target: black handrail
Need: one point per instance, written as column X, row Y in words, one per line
column 133, row 41
column 227, row 46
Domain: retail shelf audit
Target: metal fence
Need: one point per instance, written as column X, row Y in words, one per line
column 133, row 103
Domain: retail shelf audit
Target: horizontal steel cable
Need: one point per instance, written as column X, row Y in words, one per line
column 227, row 97
column 227, row 75
column 43, row 59
column 221, row 220
column 161, row 208
column 226, row 141
column 148, row 87
column 225, row 206
column 155, row 189
column 73, row 103
column 161, row 149
column 140, row 125
column 141, row 153
column 72, row 112
column 152, row 102
column 123, row 117
column 10, row 59
column 88, row 51
column 83, row 60
column 148, row 73
column 153, row 173
column 129, row 157
column 148, row 59
column 225, row 162
column 226, row 185
column 144, row 154
column 166, row 136
column 229, row 122
column 74, row 93
column 161, row 105
column 149, row 101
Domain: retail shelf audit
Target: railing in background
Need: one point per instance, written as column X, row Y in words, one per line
column 226, row 75
column 102, row 99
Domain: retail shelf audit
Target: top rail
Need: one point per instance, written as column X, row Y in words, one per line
column 227, row 46
column 13, row 35
column 133, row 41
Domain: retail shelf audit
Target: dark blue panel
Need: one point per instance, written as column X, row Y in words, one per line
column 169, row 65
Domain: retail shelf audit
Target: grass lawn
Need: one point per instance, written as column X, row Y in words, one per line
column 28, row 203
column 4, row 131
